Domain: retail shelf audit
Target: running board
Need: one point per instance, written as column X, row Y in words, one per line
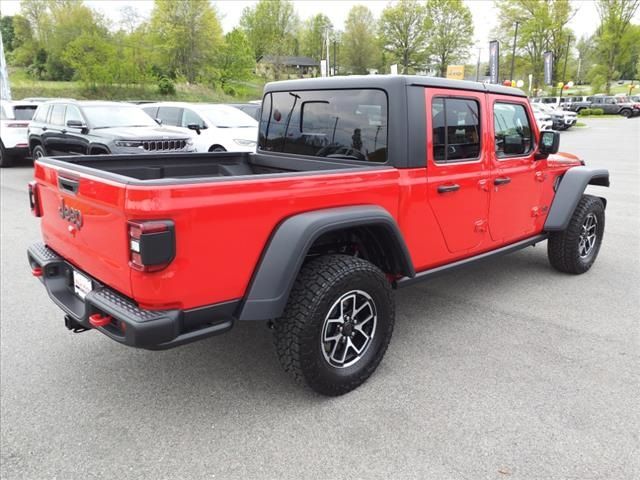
column 434, row 272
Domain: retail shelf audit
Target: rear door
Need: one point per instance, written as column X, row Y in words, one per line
column 53, row 136
column 458, row 168
column 517, row 179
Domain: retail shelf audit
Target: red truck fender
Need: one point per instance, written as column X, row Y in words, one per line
column 568, row 193
column 285, row 253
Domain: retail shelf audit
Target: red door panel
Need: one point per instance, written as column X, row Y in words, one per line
column 516, row 178
column 458, row 189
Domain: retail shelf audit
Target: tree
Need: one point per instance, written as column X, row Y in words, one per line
column 614, row 38
column 541, row 27
column 92, row 56
column 313, row 36
column 235, row 60
column 359, row 40
column 187, row 34
column 452, row 33
column 7, row 32
column 270, row 27
column 403, row 33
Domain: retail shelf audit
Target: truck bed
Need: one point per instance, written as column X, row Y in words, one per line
column 186, row 167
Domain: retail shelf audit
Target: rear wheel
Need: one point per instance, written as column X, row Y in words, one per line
column 217, row 148
column 575, row 249
column 5, row 159
column 337, row 324
column 38, row 152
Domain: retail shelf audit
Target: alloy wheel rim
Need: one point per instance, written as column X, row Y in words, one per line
column 588, row 236
column 348, row 329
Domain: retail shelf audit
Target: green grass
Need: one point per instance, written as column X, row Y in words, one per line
column 22, row 86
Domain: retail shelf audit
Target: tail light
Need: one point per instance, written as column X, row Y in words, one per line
column 152, row 244
column 34, row 199
column 17, row 125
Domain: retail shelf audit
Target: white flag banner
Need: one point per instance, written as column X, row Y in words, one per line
column 5, row 91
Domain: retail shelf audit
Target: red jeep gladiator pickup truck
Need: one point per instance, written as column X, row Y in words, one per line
column 359, row 185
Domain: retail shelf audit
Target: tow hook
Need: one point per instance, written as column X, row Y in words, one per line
column 99, row 320
column 74, row 326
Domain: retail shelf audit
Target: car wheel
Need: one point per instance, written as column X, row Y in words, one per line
column 625, row 113
column 217, row 148
column 575, row 249
column 38, row 152
column 337, row 324
column 5, row 159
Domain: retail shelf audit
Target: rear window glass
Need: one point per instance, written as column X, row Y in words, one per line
column 456, row 129
column 24, row 112
column 350, row 124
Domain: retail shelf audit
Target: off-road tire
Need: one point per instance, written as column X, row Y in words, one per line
column 38, row 152
column 563, row 247
column 626, row 113
column 5, row 159
column 298, row 333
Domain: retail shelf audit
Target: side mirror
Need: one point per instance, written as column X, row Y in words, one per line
column 549, row 143
column 195, row 126
column 513, row 145
column 158, row 121
column 76, row 124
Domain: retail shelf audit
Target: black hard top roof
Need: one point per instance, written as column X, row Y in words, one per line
column 387, row 82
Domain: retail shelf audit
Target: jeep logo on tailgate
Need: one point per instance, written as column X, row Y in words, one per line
column 71, row 215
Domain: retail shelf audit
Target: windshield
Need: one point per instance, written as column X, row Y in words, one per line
column 105, row 116
column 227, row 117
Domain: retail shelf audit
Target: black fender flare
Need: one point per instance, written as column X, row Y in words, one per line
column 283, row 256
column 569, row 192
column 101, row 146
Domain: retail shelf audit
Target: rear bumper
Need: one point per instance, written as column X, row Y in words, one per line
column 130, row 325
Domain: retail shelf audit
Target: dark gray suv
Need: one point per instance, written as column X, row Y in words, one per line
column 69, row 127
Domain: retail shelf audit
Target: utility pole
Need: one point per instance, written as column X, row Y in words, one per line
column 478, row 65
column 335, row 57
column 328, row 49
column 513, row 52
column 564, row 71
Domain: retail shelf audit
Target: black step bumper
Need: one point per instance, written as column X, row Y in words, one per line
column 130, row 325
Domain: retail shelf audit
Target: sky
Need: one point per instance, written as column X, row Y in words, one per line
column 584, row 22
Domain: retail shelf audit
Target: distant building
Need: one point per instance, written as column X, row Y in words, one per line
column 287, row 66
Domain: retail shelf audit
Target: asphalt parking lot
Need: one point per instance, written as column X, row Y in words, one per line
column 504, row 370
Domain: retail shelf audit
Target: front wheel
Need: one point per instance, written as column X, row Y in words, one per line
column 337, row 324
column 625, row 113
column 575, row 249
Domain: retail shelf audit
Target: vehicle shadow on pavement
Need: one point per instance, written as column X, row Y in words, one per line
column 243, row 363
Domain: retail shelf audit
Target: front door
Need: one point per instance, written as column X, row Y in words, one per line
column 458, row 168
column 516, row 177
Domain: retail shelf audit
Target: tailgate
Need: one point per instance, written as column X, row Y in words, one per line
column 83, row 220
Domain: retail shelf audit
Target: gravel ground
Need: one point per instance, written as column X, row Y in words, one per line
column 504, row 370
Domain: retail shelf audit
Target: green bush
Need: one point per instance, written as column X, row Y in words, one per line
column 585, row 112
column 229, row 90
column 597, row 111
column 166, row 86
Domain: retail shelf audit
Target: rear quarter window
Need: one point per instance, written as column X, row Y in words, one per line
column 348, row 124
column 24, row 112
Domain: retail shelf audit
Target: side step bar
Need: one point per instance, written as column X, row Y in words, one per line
column 434, row 272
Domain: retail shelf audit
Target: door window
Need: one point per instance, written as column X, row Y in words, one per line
column 170, row 116
column 190, row 117
column 456, row 129
column 57, row 114
column 512, row 130
column 42, row 113
column 73, row 114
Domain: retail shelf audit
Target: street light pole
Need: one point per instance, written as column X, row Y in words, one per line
column 478, row 66
column 513, row 53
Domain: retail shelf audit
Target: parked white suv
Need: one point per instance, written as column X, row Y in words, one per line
column 14, row 120
column 213, row 127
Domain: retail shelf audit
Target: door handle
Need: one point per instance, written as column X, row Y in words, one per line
column 44, row 129
column 448, row 188
column 63, row 131
column 501, row 181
